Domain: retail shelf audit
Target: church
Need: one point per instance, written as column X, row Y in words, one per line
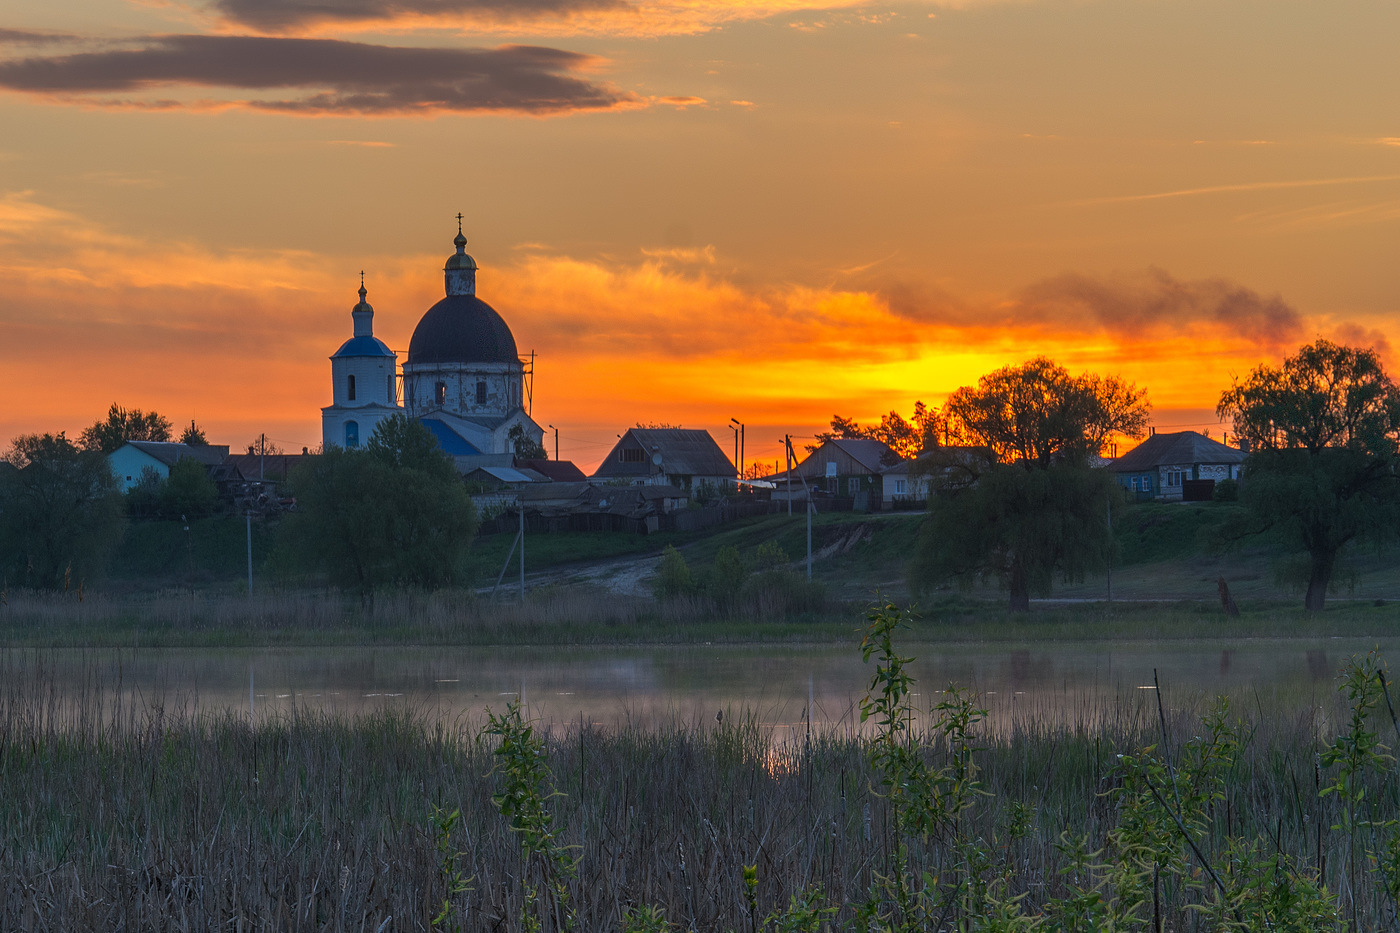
column 463, row 378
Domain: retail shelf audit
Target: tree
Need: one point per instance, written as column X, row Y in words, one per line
column 187, row 491
column 1019, row 525
column 108, row 434
column 1038, row 414
column 908, row 439
column 394, row 513
column 523, row 447
column 60, row 512
column 1018, row 499
column 1323, row 430
column 194, row 436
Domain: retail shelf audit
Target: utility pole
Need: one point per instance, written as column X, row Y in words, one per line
column 807, row 490
column 522, row 549
column 249, row 516
column 262, row 457
column 556, row 442
column 1110, row 550
column 787, row 455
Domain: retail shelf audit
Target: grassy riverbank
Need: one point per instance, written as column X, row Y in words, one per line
column 144, row 818
column 581, row 615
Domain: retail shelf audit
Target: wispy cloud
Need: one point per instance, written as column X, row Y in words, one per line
column 518, row 17
column 1247, row 186
column 167, row 324
column 33, row 37
column 329, row 77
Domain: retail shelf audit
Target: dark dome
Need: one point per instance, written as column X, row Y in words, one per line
column 462, row 329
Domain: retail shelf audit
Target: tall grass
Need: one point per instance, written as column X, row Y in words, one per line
column 124, row 815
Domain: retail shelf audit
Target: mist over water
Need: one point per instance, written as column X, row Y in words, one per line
column 1025, row 686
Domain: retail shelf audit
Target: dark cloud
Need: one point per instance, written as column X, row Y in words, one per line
column 1156, row 302
column 290, row 15
column 336, row 77
column 29, row 37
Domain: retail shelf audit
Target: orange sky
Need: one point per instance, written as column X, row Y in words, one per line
column 691, row 210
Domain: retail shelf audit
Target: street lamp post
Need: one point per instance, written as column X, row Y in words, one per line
column 556, row 441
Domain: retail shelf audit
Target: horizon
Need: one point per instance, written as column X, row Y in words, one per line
column 692, row 211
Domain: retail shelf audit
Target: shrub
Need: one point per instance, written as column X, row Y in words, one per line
column 672, row 576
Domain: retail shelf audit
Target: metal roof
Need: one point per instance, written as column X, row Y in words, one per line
column 1181, row 447
column 363, row 345
column 684, row 452
column 461, row 329
column 452, row 443
column 168, row 453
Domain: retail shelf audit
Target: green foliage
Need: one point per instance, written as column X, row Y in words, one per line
column 394, row 513
column 647, row 918
column 906, row 438
column 1023, row 504
column 121, row 425
column 807, row 911
column 1325, row 429
column 1226, row 490
column 673, row 577
column 526, row 789
column 924, row 801
column 187, row 491
column 454, row 882
column 61, row 515
column 1038, row 414
column 769, row 556
column 1019, row 526
column 194, row 436
column 525, row 448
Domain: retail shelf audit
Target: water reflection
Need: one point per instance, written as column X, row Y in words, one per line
column 786, row 688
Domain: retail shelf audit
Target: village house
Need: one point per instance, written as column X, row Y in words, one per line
column 852, row 468
column 685, row 458
column 129, row 461
column 1172, row 467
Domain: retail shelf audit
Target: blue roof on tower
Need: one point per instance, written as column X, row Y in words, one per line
column 363, row 346
column 451, row 442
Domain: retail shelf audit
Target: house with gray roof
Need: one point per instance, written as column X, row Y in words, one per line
column 681, row 457
column 133, row 458
column 849, row 467
column 1172, row 467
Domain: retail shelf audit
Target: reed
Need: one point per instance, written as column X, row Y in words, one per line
column 150, row 815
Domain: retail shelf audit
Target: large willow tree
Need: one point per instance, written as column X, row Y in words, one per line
column 1323, row 430
column 392, row 514
column 1016, row 498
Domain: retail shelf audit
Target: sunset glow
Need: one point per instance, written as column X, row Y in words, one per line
column 690, row 210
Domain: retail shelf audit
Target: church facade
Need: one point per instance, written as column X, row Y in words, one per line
column 463, row 378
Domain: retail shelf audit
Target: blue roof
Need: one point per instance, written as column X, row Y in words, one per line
column 363, row 346
column 452, row 442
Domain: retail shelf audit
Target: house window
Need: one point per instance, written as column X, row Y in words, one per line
column 350, row 388
column 440, row 393
column 833, row 485
column 853, row 485
column 632, row 455
column 481, row 393
column 352, row 434
column 899, row 487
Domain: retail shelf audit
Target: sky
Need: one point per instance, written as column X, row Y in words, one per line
column 690, row 210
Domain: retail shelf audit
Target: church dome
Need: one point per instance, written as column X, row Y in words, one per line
column 462, row 329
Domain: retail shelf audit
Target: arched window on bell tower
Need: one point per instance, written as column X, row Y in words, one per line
column 352, row 434
column 440, row 394
column 350, row 388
